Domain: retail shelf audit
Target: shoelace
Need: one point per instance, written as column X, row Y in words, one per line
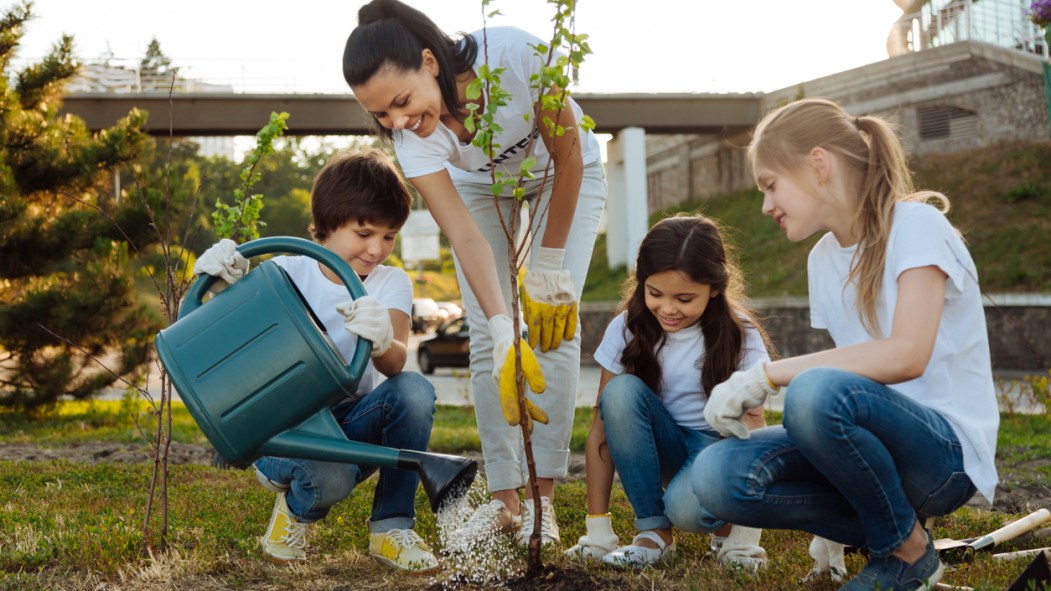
column 296, row 534
column 547, row 518
column 404, row 538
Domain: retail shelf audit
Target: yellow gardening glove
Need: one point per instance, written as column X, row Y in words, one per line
column 501, row 331
column 549, row 301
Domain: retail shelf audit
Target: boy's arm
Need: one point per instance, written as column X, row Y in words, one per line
column 598, row 466
column 393, row 361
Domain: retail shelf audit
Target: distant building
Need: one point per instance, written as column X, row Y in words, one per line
column 961, row 74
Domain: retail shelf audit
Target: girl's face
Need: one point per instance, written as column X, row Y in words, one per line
column 404, row 100
column 362, row 246
column 675, row 300
column 787, row 200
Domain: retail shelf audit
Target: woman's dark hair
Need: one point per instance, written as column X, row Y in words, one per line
column 692, row 244
column 392, row 34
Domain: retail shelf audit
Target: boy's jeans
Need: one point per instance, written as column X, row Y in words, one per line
column 854, row 462
column 397, row 414
column 647, row 446
column 505, row 465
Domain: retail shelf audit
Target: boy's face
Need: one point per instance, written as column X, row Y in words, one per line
column 362, row 245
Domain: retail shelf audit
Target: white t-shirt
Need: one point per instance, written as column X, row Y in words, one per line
column 958, row 380
column 390, row 285
column 680, row 359
column 509, row 48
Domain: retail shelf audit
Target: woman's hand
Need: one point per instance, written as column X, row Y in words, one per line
column 549, row 301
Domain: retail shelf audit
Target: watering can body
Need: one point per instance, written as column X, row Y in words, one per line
column 258, row 373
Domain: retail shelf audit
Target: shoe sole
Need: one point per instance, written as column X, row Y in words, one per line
column 388, row 562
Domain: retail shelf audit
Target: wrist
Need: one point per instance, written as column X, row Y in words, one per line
column 500, row 328
column 548, row 259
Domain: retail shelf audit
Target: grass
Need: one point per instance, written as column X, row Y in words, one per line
column 68, row 525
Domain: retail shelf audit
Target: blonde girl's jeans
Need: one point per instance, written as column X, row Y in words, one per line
column 502, row 447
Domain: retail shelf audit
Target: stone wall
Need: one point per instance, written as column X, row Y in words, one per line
column 1019, row 329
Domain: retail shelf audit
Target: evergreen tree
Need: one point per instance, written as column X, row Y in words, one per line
column 66, row 296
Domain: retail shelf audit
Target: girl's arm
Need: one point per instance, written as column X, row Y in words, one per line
column 567, row 156
column 471, row 247
column 598, row 466
column 900, row 357
column 393, row 361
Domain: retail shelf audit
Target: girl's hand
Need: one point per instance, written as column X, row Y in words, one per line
column 729, row 400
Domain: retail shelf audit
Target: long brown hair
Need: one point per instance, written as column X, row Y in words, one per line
column 876, row 168
column 693, row 245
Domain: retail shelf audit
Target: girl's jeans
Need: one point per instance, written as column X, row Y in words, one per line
column 502, row 447
column 854, row 462
column 397, row 414
column 648, row 448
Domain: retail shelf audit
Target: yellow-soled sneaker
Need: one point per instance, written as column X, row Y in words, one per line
column 285, row 539
column 403, row 549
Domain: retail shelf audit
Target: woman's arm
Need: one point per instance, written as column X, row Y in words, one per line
column 598, row 465
column 567, row 156
column 900, row 357
column 393, row 361
column 471, row 247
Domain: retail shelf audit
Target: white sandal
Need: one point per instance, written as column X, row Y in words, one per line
column 637, row 556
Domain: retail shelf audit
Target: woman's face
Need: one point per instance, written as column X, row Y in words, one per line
column 404, row 100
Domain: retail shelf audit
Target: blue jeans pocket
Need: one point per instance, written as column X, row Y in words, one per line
column 950, row 496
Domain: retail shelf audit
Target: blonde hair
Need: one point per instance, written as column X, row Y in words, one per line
column 875, row 166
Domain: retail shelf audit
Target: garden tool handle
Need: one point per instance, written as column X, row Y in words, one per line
column 1012, row 530
column 290, row 244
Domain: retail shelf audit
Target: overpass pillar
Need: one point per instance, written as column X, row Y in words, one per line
column 627, row 207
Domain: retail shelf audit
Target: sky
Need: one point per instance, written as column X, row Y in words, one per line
column 642, row 46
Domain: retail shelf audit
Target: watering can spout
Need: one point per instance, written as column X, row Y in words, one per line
column 445, row 478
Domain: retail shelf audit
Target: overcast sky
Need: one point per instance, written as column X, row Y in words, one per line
column 639, row 45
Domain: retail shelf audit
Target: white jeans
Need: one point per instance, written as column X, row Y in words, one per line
column 502, row 448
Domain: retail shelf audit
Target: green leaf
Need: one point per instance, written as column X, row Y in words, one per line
column 474, row 90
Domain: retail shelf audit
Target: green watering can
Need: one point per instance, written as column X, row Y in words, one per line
column 258, row 373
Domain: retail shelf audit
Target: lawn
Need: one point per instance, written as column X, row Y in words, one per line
column 75, row 521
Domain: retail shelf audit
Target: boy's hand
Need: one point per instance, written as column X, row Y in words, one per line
column 367, row 318
column 729, row 400
column 504, row 369
column 222, row 260
column 549, row 301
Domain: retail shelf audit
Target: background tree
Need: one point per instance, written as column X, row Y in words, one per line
column 155, row 68
column 66, row 293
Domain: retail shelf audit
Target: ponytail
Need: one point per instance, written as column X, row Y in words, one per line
column 392, row 34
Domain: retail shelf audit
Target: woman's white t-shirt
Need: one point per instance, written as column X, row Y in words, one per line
column 390, row 285
column 958, row 380
column 509, row 48
column 680, row 359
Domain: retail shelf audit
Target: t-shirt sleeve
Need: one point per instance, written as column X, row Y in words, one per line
column 420, row 156
column 753, row 350
column 521, row 56
column 817, row 319
column 398, row 294
column 609, row 351
column 923, row 237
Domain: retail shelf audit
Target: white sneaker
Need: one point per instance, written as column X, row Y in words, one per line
column 548, row 524
column 491, row 519
column 636, row 556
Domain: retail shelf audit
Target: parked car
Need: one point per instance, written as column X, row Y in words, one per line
column 452, row 310
column 449, row 347
column 425, row 314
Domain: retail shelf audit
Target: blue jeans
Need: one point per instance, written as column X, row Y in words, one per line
column 854, row 462
column 648, row 448
column 397, row 414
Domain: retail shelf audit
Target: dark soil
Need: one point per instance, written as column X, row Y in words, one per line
column 550, row 579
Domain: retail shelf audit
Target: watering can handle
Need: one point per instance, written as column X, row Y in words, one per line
column 290, row 244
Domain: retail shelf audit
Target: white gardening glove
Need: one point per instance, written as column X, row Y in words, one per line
column 729, row 400
column 367, row 318
column 828, row 558
column 549, row 301
column 222, row 261
column 502, row 333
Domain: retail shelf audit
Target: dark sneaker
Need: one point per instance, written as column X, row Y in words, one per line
column 890, row 574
